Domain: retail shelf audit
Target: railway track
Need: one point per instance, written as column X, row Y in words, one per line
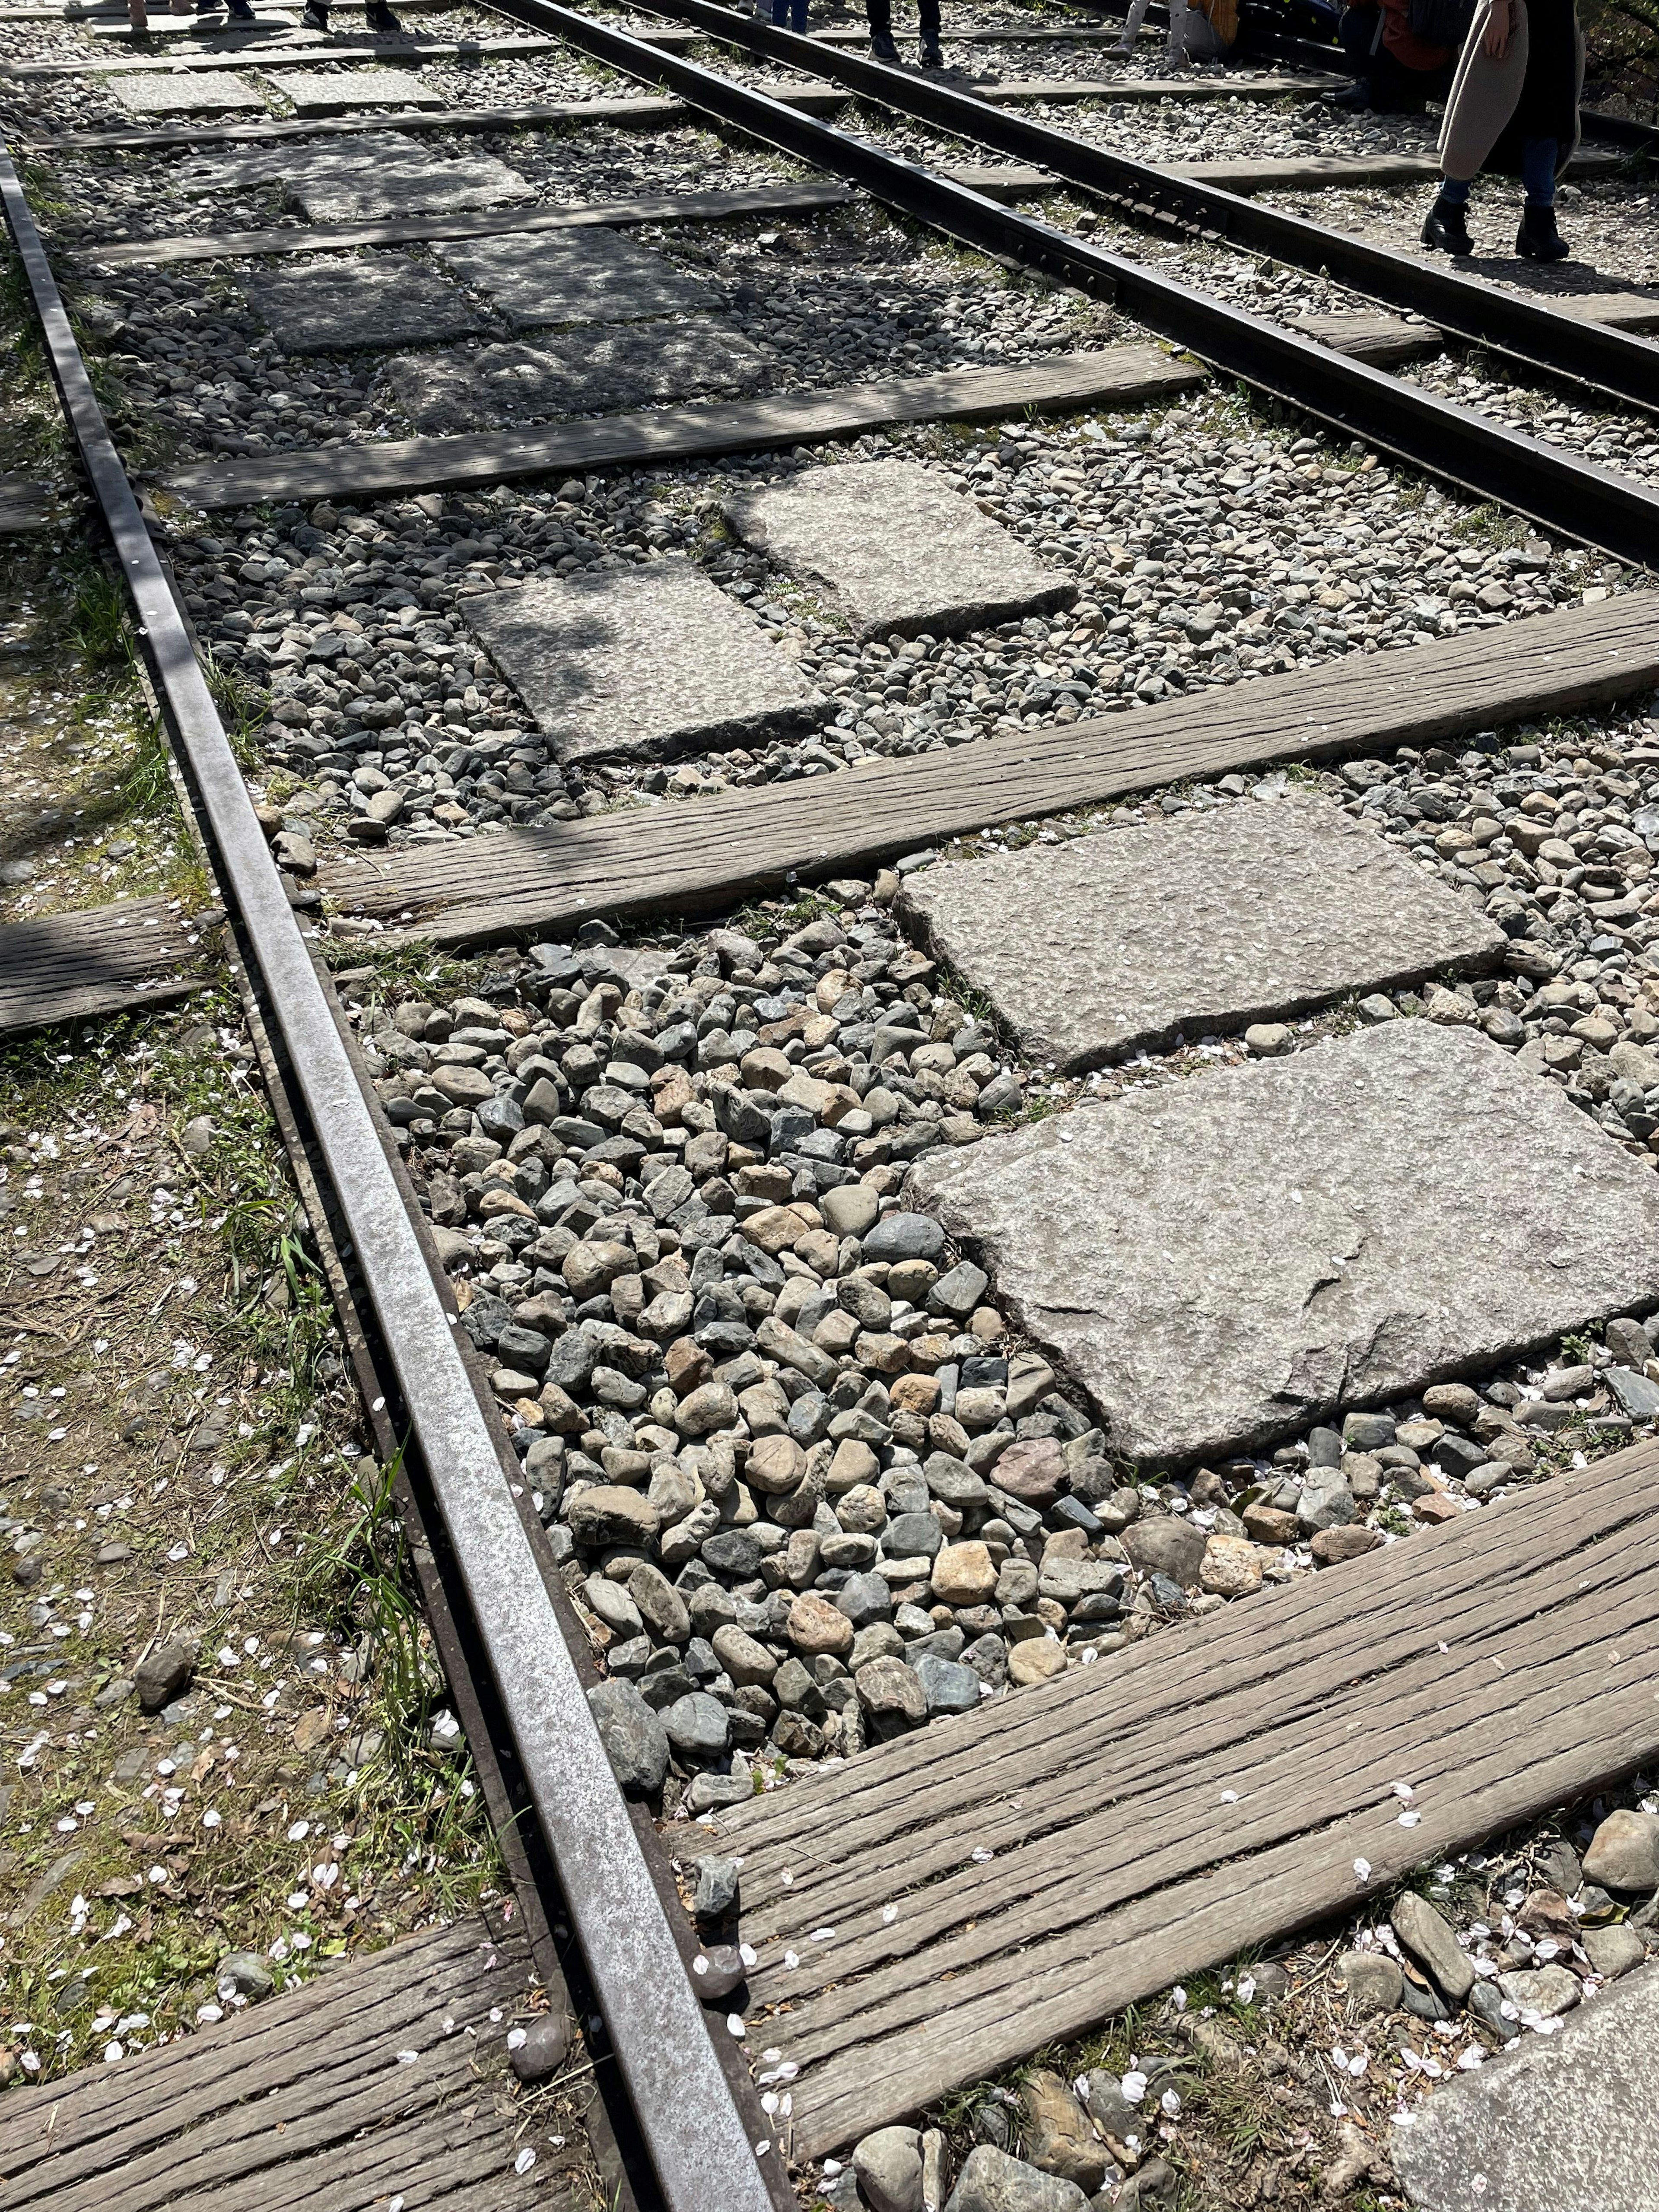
column 659, row 1281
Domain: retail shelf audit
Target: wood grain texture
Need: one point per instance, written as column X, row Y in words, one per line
column 1110, row 376
column 1384, row 340
column 654, row 207
column 103, row 960
column 647, row 108
column 1148, row 1817
column 305, row 2102
column 703, row 855
column 24, row 505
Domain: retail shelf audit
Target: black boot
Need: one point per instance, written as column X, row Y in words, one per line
column 316, row 16
column 882, row 46
column 1538, row 238
column 237, row 11
column 932, row 54
column 1356, row 99
column 1447, row 227
column 381, row 19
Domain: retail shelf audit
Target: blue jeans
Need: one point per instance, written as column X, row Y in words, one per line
column 1538, row 159
column 789, row 14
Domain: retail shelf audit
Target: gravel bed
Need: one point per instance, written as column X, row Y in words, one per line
column 1608, row 221
column 1252, row 564
column 777, row 1426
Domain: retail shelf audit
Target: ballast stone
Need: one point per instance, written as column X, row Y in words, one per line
column 574, row 277
column 316, row 92
column 185, row 95
column 333, row 307
column 1111, row 944
column 602, row 370
column 1220, row 1262
column 897, row 549
column 641, row 661
column 1565, row 2123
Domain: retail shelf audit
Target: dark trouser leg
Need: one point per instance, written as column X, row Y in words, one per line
column 1356, row 35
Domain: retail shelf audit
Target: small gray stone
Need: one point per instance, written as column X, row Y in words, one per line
column 639, row 660
column 717, row 1971
column 546, row 2045
column 1373, row 1981
column 1109, row 944
column 992, row 2181
column 1614, row 1950
column 896, row 549
column 1547, row 1991
column 243, row 1974
column 949, row 1686
column 904, row 1237
column 699, row 1727
column 1638, row 1395
column 1427, row 1935
column 1624, row 1852
column 160, row 1676
column 888, row 2165
column 1325, row 1501
column 715, row 1891
column 635, row 1739
column 891, row 1691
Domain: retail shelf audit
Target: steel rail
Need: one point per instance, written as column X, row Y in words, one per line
column 704, row 2157
column 1539, row 337
column 1553, row 487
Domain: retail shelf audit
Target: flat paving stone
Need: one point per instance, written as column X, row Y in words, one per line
column 897, row 549
column 593, row 371
column 1224, row 1259
column 1116, row 942
column 1569, row 2122
column 642, row 661
column 185, row 96
column 582, row 276
column 366, row 178
column 331, row 306
column 322, row 92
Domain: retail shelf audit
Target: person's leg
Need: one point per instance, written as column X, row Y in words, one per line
column 1538, row 238
column 1359, row 34
column 927, row 23
column 798, row 17
column 879, row 14
column 1175, row 48
column 1132, row 23
column 1446, row 226
column 380, row 18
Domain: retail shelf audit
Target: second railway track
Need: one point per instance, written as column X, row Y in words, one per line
column 502, row 476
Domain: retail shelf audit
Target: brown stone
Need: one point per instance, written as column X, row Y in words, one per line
column 962, row 1574
column 853, row 1463
column 1032, row 1470
column 774, row 1228
column 915, row 1394
column 1230, row 1568
column 766, row 1069
column 689, row 1366
column 1331, row 1546
column 1058, row 2138
column 1036, row 1659
column 815, row 1626
column 1435, row 1506
column 775, row 1465
column 1267, row 1524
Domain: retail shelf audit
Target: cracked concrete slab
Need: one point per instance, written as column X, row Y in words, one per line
column 335, row 92
column 602, row 369
column 1568, row 2122
column 381, row 299
column 378, row 174
column 187, row 96
column 1225, row 1259
column 574, row 277
column 896, row 550
column 642, row 661
column 1119, row 942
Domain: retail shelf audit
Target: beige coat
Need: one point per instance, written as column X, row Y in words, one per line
column 1484, row 97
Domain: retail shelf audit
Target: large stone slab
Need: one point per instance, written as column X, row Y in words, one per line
column 382, row 300
column 896, row 549
column 574, row 277
column 369, row 177
column 1224, row 1259
column 323, row 92
column 642, row 661
column 1198, row 921
column 594, row 371
column 1569, row 2122
column 187, row 95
